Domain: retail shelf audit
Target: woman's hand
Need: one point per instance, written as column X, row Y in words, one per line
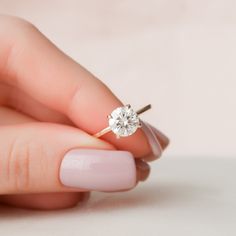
column 50, row 106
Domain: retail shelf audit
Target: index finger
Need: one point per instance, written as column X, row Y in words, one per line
column 36, row 66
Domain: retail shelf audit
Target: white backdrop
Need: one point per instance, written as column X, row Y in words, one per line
column 178, row 55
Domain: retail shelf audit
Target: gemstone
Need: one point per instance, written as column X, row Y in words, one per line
column 124, row 121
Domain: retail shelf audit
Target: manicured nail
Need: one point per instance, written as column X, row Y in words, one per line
column 152, row 139
column 101, row 170
column 164, row 140
column 84, row 197
column 142, row 170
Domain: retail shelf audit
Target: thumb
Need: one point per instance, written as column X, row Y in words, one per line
column 44, row 157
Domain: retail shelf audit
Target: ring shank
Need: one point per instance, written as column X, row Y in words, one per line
column 102, row 132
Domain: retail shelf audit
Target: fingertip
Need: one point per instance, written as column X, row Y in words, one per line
column 43, row 201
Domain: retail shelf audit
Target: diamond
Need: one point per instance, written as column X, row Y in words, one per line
column 124, row 121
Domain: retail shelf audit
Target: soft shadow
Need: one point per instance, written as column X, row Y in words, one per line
column 162, row 195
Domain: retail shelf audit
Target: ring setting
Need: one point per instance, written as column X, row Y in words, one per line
column 123, row 121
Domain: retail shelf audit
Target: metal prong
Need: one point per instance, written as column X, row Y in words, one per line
column 128, row 105
column 109, row 116
column 140, row 111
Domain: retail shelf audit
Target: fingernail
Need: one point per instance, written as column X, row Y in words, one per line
column 100, row 170
column 143, row 170
column 164, row 140
column 152, row 139
column 84, row 196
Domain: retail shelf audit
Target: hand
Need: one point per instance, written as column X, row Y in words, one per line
column 50, row 107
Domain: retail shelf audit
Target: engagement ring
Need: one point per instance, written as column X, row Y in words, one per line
column 123, row 121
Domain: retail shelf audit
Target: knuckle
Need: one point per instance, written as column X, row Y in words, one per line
column 18, row 162
column 16, row 31
column 25, row 163
column 14, row 23
column 19, row 165
column 15, row 36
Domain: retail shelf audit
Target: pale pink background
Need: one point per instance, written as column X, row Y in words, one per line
column 178, row 55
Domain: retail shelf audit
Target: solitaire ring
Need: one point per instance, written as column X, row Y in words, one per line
column 123, row 121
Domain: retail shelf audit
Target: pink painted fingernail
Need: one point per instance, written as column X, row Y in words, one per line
column 152, row 139
column 101, row 170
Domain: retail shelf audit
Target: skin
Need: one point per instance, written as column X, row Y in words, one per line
column 47, row 108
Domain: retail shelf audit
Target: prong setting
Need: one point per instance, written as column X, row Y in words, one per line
column 124, row 121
